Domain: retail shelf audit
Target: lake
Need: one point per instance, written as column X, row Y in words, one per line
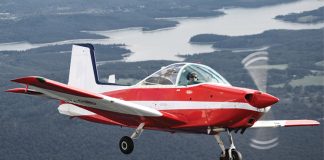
column 166, row 44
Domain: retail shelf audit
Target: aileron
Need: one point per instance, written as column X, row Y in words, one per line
column 284, row 123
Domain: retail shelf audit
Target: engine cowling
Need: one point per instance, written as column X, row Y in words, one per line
column 260, row 100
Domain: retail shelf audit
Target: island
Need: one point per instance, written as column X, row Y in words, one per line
column 314, row 16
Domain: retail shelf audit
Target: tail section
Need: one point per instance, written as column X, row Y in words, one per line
column 83, row 70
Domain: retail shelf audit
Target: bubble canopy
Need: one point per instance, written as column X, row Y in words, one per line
column 183, row 74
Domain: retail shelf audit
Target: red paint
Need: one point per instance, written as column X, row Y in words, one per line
column 17, row 90
column 24, row 91
column 203, row 92
column 293, row 123
column 196, row 120
column 182, row 120
column 55, row 86
column 261, row 100
column 100, row 119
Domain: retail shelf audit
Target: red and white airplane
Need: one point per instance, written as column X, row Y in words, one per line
column 181, row 97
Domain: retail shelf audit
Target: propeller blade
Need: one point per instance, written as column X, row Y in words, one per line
column 257, row 66
column 265, row 138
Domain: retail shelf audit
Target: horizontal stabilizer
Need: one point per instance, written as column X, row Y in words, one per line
column 284, row 123
column 24, row 91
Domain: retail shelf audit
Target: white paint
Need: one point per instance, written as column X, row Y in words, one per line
column 139, row 108
column 265, row 142
column 106, row 103
column 82, row 73
column 73, row 110
column 182, row 105
column 112, row 78
column 269, row 124
column 264, row 147
column 252, row 56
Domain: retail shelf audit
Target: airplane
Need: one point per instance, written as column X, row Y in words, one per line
column 178, row 98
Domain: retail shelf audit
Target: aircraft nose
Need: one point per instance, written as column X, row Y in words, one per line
column 266, row 99
column 261, row 100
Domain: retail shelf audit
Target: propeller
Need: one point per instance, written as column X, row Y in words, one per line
column 257, row 66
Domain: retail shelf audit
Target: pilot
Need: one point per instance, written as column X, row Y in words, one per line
column 192, row 78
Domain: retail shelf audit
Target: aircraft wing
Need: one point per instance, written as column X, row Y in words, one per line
column 284, row 123
column 49, row 88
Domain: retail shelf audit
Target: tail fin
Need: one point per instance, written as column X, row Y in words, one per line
column 83, row 70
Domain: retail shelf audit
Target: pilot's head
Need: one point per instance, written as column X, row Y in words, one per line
column 192, row 76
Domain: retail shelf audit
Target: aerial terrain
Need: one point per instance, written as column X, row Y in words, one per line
column 36, row 39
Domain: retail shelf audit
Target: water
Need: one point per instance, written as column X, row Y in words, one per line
column 166, row 44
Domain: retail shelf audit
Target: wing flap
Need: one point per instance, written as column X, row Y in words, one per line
column 284, row 123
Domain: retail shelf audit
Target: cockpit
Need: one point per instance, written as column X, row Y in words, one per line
column 184, row 74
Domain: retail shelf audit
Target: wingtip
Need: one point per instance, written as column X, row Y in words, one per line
column 8, row 90
column 16, row 90
column 21, row 79
column 16, row 80
column 316, row 123
column 304, row 122
column 29, row 79
column 312, row 122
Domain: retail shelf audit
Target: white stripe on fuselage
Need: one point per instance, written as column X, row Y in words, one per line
column 182, row 105
column 169, row 105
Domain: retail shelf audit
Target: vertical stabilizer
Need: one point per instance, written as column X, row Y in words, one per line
column 83, row 71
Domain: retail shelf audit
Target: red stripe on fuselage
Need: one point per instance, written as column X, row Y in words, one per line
column 203, row 92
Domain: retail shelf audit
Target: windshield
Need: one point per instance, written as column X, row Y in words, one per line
column 194, row 74
column 183, row 74
column 165, row 76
